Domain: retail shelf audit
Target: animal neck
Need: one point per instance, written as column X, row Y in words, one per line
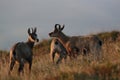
column 63, row 38
column 30, row 43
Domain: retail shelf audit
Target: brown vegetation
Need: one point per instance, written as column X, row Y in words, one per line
column 79, row 69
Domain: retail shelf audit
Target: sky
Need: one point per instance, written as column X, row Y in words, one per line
column 81, row 17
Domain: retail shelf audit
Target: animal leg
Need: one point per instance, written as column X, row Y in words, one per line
column 20, row 69
column 60, row 58
column 75, row 52
column 71, row 56
column 12, row 63
column 65, row 58
column 53, row 56
column 30, row 65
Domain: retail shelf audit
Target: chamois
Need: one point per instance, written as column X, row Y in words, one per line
column 57, row 47
column 21, row 52
column 77, row 44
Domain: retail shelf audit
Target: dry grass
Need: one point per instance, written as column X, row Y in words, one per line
column 78, row 69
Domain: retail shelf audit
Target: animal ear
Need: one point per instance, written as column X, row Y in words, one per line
column 35, row 29
column 61, row 28
column 29, row 31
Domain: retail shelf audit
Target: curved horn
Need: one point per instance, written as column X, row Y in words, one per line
column 35, row 29
column 32, row 30
column 61, row 28
column 57, row 25
column 29, row 31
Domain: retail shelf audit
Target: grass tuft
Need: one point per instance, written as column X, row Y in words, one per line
column 78, row 69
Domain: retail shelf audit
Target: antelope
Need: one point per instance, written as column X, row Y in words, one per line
column 57, row 47
column 77, row 44
column 21, row 52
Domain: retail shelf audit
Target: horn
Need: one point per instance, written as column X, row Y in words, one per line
column 62, row 27
column 32, row 30
column 59, row 27
column 35, row 29
column 29, row 31
column 56, row 26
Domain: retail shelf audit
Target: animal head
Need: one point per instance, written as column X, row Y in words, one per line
column 32, row 35
column 57, row 30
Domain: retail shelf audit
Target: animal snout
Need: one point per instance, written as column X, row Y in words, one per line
column 50, row 34
column 37, row 40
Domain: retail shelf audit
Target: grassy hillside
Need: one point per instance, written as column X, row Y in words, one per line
column 78, row 69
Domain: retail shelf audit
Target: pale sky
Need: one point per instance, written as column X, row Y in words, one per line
column 81, row 17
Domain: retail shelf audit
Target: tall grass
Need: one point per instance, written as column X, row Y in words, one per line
column 78, row 69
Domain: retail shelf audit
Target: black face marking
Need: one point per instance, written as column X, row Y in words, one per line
column 33, row 36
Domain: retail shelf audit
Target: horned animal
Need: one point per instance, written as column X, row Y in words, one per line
column 57, row 47
column 77, row 44
column 21, row 52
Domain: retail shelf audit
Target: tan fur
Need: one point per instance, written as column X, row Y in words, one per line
column 58, row 49
column 92, row 43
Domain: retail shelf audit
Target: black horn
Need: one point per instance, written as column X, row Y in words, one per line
column 61, row 28
column 29, row 31
column 35, row 29
column 57, row 25
column 32, row 30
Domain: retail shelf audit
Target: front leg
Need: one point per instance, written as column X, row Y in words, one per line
column 12, row 63
column 60, row 58
column 53, row 55
column 21, row 66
